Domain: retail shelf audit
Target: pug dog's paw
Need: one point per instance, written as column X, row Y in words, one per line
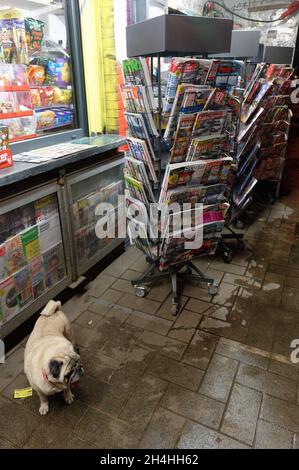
column 69, row 398
column 44, row 409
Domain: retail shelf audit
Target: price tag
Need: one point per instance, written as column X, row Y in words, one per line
column 23, row 393
column 5, row 158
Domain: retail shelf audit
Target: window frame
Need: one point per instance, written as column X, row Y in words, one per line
column 73, row 27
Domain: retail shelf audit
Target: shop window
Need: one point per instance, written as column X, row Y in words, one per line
column 36, row 80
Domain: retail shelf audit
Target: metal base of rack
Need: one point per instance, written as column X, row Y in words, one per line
column 226, row 251
column 187, row 272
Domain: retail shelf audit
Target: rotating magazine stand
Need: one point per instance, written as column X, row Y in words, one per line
column 165, row 36
column 245, row 46
column 263, row 135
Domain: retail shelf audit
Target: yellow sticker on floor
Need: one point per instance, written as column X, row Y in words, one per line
column 23, row 393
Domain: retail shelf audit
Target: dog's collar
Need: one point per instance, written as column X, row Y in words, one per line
column 46, row 379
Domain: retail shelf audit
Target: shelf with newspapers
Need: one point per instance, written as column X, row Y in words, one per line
column 263, row 136
column 191, row 191
column 34, row 257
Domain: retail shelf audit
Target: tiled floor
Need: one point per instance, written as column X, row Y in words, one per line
column 217, row 376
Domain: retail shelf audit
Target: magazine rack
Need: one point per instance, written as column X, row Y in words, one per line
column 263, row 135
column 244, row 46
column 158, row 38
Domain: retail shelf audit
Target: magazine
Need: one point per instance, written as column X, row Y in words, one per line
column 24, row 287
column 239, row 198
column 246, row 145
column 88, row 209
column 54, row 265
column 9, row 298
column 194, row 99
column 136, row 169
column 217, row 100
column 136, row 189
column 140, row 151
column 46, row 207
column 273, row 151
column 222, row 100
column 2, row 318
column 279, row 70
column 252, row 85
column 6, row 228
column 264, row 89
column 209, row 122
column 246, row 161
column 187, row 100
column 84, row 210
column 135, row 101
column 25, row 217
column 269, row 169
column 136, row 72
column 278, row 113
column 81, row 213
column 246, row 128
column 3, row 262
column 207, row 147
column 49, row 232
column 14, row 255
column 30, row 243
column 193, row 217
column 36, row 272
column 182, row 137
column 138, row 237
column 202, row 172
column 212, row 72
column 173, row 250
column 136, row 210
column 243, row 182
column 138, row 129
column 134, row 206
column 229, row 73
column 182, row 70
column 274, row 139
column 80, row 244
column 108, row 194
column 275, row 100
column 14, row 222
column 196, row 194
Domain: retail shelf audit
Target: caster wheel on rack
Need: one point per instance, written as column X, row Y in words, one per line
column 140, row 291
column 227, row 256
column 213, row 289
column 239, row 225
column 175, row 308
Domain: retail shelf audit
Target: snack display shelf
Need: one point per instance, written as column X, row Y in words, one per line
column 23, row 137
column 53, row 127
column 18, row 114
column 47, row 85
column 55, row 106
column 14, row 88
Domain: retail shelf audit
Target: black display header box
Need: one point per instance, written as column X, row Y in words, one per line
column 174, row 35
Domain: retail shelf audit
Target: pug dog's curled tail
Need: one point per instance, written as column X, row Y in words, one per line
column 51, row 308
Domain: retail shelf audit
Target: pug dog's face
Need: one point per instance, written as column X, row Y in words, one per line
column 66, row 370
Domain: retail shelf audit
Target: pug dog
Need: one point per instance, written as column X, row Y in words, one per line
column 52, row 362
